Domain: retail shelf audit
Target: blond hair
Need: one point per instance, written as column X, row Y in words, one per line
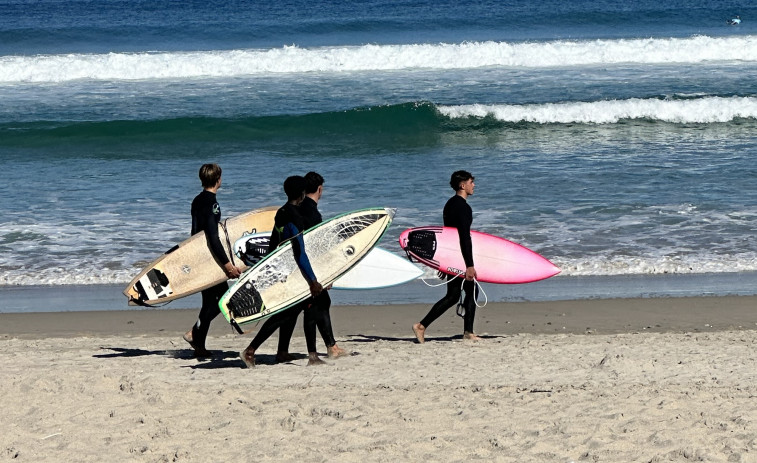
column 209, row 175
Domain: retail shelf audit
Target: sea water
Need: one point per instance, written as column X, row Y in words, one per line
column 618, row 139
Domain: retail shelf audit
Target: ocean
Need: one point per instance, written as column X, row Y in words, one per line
column 617, row 139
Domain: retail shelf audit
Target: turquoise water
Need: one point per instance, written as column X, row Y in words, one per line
column 615, row 139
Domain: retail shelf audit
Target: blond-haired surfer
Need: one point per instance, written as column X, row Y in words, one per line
column 206, row 214
column 458, row 214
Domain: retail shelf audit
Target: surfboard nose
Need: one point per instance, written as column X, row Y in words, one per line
column 390, row 211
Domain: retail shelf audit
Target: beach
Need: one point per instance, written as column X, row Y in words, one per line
column 616, row 139
column 616, row 380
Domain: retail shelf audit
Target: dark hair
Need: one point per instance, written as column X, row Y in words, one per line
column 209, row 175
column 459, row 177
column 294, row 187
column 312, row 181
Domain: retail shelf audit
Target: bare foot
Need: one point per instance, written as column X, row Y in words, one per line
column 248, row 357
column 468, row 336
column 199, row 351
column 314, row 360
column 420, row 332
column 283, row 357
column 336, row 352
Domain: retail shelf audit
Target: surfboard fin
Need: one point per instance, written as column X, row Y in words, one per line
column 134, row 301
column 236, row 326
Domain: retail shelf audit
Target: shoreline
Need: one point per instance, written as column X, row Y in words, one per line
column 591, row 316
column 109, row 297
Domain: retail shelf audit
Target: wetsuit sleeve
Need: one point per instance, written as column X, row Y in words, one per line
column 298, row 247
column 214, row 242
column 466, row 244
column 458, row 214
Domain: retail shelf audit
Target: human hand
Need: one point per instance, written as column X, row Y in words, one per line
column 470, row 273
column 231, row 270
column 315, row 288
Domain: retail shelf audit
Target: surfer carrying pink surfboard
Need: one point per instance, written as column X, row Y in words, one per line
column 457, row 213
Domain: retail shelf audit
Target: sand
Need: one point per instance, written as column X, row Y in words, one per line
column 603, row 380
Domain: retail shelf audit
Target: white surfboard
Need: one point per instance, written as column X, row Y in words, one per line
column 276, row 283
column 378, row 269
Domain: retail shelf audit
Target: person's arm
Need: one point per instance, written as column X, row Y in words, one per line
column 464, row 220
column 214, row 242
column 466, row 245
column 217, row 249
column 301, row 257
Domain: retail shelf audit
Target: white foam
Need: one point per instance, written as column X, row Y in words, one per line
column 93, row 271
column 601, row 266
column 102, row 252
column 293, row 59
column 699, row 110
column 65, row 276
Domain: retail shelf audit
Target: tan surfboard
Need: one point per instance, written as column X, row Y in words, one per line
column 190, row 267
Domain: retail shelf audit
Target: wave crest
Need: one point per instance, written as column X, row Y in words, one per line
column 294, row 60
column 679, row 111
column 406, row 124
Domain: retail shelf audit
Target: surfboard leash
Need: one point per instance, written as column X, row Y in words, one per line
column 481, row 290
column 444, row 282
column 228, row 243
column 478, row 288
column 460, row 307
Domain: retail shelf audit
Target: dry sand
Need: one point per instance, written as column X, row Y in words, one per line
column 609, row 381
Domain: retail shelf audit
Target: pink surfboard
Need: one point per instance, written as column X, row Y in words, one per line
column 497, row 260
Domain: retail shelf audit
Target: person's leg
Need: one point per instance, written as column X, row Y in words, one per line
column 265, row 332
column 449, row 299
column 309, row 327
column 198, row 334
column 286, row 330
column 322, row 305
column 469, row 304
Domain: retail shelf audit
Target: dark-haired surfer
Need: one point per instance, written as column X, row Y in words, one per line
column 458, row 214
column 320, row 305
column 289, row 225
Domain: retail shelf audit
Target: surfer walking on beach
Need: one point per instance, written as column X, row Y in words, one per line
column 289, row 225
column 206, row 214
column 458, row 214
column 319, row 305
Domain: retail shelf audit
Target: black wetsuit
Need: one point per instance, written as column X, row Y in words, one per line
column 458, row 214
column 309, row 212
column 317, row 307
column 206, row 214
column 289, row 224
